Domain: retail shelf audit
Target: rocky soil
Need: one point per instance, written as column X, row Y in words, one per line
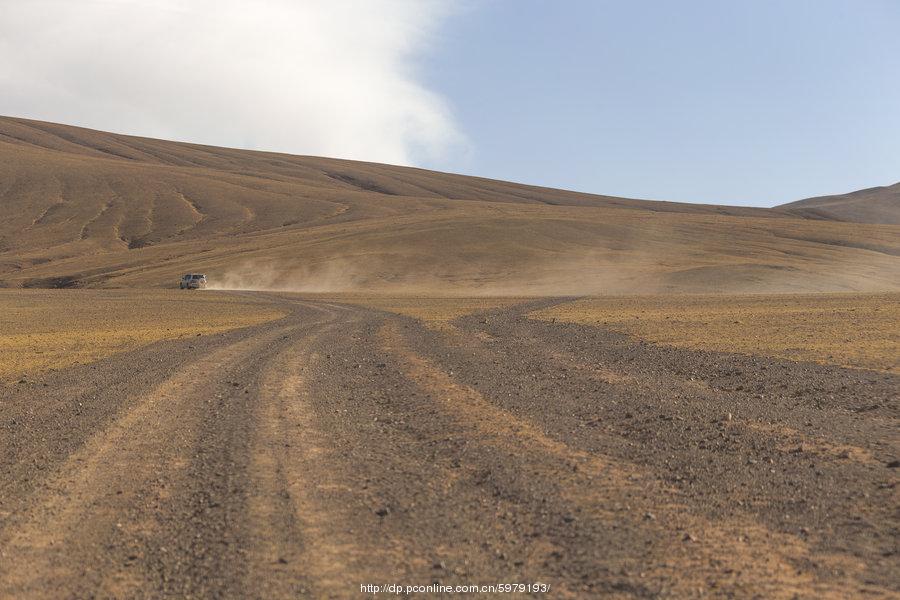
column 342, row 446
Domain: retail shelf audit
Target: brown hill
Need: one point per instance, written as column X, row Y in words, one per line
column 83, row 207
column 873, row 205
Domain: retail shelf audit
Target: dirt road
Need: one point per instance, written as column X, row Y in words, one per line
column 342, row 446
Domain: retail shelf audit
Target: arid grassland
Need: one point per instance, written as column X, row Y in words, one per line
column 855, row 330
column 304, row 444
column 53, row 329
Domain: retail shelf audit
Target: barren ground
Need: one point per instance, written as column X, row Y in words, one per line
column 396, row 440
column 83, row 208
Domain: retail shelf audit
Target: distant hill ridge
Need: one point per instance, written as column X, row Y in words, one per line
column 89, row 208
column 872, row 205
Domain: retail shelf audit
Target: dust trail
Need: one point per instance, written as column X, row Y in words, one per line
column 570, row 276
column 334, row 276
column 587, row 273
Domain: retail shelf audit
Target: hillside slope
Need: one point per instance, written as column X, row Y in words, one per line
column 873, row 205
column 82, row 207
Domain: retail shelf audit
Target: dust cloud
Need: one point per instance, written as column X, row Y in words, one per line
column 569, row 276
column 327, row 277
column 590, row 275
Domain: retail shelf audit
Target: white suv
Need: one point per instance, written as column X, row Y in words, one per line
column 192, row 281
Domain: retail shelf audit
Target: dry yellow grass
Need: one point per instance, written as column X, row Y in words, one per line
column 855, row 330
column 51, row 329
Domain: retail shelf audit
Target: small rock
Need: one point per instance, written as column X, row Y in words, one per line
column 382, row 511
column 688, row 538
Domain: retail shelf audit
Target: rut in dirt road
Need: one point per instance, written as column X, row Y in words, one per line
column 152, row 498
column 342, row 446
column 766, row 476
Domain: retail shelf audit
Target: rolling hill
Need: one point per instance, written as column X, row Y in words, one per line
column 87, row 208
column 873, row 205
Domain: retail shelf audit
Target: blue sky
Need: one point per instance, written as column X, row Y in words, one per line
column 753, row 102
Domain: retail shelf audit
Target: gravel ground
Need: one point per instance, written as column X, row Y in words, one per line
column 342, row 446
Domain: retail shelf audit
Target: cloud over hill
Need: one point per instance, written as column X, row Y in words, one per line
column 333, row 78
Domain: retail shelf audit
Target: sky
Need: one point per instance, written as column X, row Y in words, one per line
column 751, row 102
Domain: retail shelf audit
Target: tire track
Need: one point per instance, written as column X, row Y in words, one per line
column 105, row 521
column 341, row 446
column 674, row 420
column 742, row 556
column 202, row 546
column 300, row 544
column 61, row 544
column 362, row 483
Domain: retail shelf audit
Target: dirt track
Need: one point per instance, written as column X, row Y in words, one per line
column 342, row 446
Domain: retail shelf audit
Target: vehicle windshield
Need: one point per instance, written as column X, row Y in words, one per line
column 198, row 276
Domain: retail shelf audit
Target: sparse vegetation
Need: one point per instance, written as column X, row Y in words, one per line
column 44, row 330
column 856, row 330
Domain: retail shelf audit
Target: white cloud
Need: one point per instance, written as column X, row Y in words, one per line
column 326, row 77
